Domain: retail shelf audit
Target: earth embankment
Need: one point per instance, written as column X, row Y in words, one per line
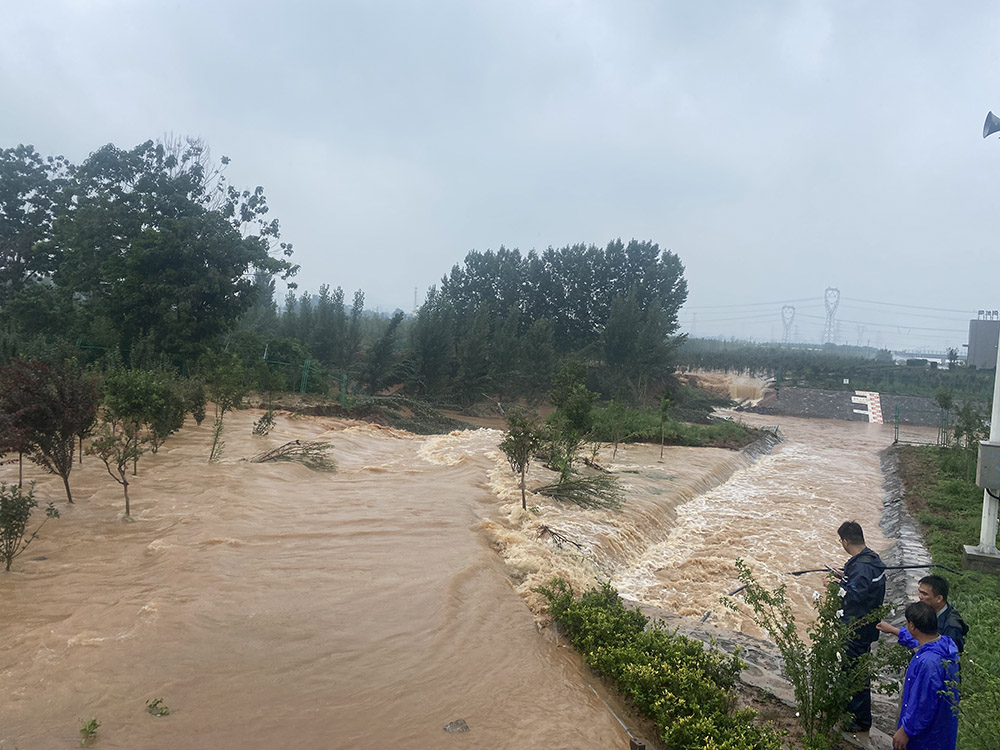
column 828, row 404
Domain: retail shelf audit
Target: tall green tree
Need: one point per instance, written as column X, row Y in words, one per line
column 32, row 193
column 378, row 370
column 432, row 342
column 473, row 378
column 538, row 353
column 161, row 246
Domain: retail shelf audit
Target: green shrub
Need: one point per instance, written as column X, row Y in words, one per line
column 822, row 683
column 686, row 690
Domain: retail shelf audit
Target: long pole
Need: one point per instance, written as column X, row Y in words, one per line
column 988, row 526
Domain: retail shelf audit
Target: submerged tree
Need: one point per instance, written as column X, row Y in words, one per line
column 119, row 445
column 15, row 511
column 49, row 407
column 520, row 443
column 226, row 381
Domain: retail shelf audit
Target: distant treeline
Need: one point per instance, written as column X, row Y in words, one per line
column 829, row 366
column 151, row 254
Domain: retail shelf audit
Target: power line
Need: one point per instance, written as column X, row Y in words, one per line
column 912, row 307
column 896, row 326
column 752, row 304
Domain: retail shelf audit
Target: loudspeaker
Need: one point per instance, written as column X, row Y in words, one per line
column 992, row 125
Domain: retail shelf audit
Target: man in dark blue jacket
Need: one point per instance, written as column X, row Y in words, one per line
column 933, row 590
column 928, row 719
column 862, row 590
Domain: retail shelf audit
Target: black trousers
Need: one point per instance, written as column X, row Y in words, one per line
column 860, row 705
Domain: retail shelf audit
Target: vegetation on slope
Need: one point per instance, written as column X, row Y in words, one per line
column 939, row 492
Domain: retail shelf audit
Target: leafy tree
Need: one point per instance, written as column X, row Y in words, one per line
column 195, row 399
column 952, row 358
column 613, row 421
column 520, row 443
column 572, row 373
column 158, row 243
column 168, row 416
column 538, row 352
column 49, row 406
column 378, row 368
column 473, row 377
column 505, row 365
column 32, row 193
column 15, row 511
column 432, row 342
column 353, row 339
column 970, row 425
column 119, row 444
column 573, row 287
column 946, row 401
column 225, row 376
column 133, row 401
column 262, row 317
column 12, row 441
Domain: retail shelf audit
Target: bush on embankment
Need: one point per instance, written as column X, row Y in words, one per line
column 687, row 690
column 940, row 494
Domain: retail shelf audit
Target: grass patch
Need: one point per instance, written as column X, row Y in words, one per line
column 619, row 424
column 940, row 494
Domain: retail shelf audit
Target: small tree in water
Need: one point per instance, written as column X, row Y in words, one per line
column 119, row 445
column 49, row 407
column 15, row 511
column 520, row 444
column 226, row 377
column 823, row 685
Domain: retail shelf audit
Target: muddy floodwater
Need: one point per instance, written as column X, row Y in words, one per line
column 269, row 605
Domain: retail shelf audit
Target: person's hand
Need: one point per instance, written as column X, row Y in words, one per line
column 836, row 572
column 900, row 739
column 887, row 628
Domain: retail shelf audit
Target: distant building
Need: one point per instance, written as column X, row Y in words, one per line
column 983, row 338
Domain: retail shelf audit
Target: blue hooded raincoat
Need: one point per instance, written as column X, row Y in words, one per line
column 928, row 715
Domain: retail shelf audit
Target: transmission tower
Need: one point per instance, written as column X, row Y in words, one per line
column 787, row 316
column 832, row 300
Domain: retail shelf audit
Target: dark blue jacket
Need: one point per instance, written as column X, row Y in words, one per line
column 928, row 713
column 862, row 589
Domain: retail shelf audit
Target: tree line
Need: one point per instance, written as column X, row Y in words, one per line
column 829, row 366
column 152, row 253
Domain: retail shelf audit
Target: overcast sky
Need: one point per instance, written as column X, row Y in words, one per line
column 778, row 148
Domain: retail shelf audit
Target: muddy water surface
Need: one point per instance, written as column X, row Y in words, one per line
column 271, row 606
column 780, row 514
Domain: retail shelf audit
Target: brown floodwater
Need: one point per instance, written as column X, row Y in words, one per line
column 272, row 606
column 269, row 605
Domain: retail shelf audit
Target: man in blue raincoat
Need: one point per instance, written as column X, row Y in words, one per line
column 928, row 719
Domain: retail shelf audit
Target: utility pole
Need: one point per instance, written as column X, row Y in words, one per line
column 787, row 318
column 986, row 555
column 832, row 298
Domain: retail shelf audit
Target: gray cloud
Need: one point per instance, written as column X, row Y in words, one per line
column 777, row 147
